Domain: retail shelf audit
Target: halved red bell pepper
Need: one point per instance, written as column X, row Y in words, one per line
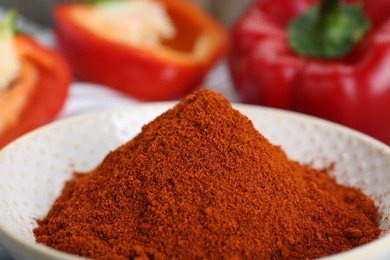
column 168, row 71
column 351, row 89
column 38, row 92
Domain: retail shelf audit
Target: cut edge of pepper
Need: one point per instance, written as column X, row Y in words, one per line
column 15, row 97
column 212, row 37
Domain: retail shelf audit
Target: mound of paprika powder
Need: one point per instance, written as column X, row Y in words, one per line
column 200, row 181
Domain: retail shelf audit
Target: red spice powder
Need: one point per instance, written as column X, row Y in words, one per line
column 201, row 182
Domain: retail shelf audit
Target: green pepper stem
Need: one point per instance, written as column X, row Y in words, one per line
column 7, row 25
column 328, row 30
column 328, row 6
column 328, row 11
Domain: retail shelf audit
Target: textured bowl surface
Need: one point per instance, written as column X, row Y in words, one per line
column 34, row 167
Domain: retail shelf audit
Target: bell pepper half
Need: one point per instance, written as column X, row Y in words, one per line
column 129, row 55
column 283, row 55
column 36, row 92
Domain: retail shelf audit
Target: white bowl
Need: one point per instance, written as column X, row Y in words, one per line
column 34, row 167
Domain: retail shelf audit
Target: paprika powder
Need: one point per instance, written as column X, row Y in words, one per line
column 201, row 182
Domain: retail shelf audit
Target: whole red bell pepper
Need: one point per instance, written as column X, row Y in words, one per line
column 37, row 91
column 349, row 85
column 168, row 70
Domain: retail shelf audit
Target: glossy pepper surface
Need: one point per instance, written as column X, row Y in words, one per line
column 169, row 70
column 353, row 89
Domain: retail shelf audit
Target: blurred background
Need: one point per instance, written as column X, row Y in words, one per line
column 35, row 19
column 226, row 11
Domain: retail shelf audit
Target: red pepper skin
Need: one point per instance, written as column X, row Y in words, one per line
column 47, row 77
column 353, row 91
column 140, row 72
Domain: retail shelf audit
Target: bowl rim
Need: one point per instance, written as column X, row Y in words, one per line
column 365, row 251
